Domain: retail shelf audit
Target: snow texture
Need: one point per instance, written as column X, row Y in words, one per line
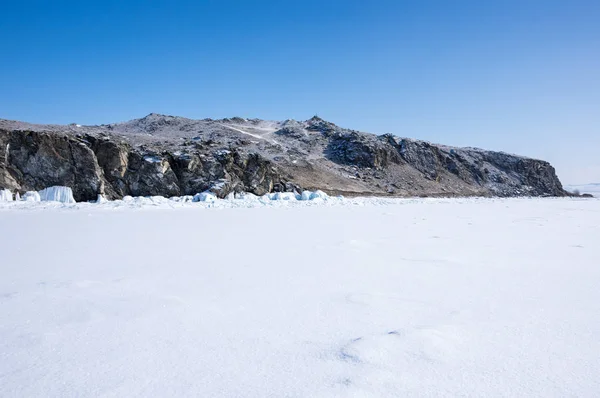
column 57, row 194
column 350, row 298
column 6, row 195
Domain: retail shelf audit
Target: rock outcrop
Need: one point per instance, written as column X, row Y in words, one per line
column 34, row 161
column 173, row 156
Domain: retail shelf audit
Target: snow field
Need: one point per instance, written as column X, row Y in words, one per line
column 354, row 298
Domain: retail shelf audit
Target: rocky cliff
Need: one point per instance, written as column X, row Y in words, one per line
column 171, row 156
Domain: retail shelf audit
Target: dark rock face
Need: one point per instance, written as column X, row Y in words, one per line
column 171, row 156
column 91, row 166
column 501, row 173
column 34, row 161
column 360, row 150
column 258, row 176
column 113, row 158
column 150, row 175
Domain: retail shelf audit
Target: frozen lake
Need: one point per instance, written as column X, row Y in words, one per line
column 364, row 298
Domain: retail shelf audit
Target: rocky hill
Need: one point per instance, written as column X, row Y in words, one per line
column 171, row 156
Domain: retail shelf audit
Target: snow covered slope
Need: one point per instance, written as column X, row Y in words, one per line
column 413, row 298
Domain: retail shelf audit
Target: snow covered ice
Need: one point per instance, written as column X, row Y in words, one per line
column 332, row 298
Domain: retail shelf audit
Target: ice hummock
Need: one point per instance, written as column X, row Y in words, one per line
column 182, row 199
column 6, row 195
column 318, row 194
column 57, row 194
column 31, row 196
column 246, row 196
column 205, row 197
column 101, row 199
column 64, row 194
column 282, row 196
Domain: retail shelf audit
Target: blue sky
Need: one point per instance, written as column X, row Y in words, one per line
column 519, row 76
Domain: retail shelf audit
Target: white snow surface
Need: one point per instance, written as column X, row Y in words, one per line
column 333, row 298
column 57, row 194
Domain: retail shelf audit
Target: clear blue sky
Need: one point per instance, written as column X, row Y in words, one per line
column 519, row 76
